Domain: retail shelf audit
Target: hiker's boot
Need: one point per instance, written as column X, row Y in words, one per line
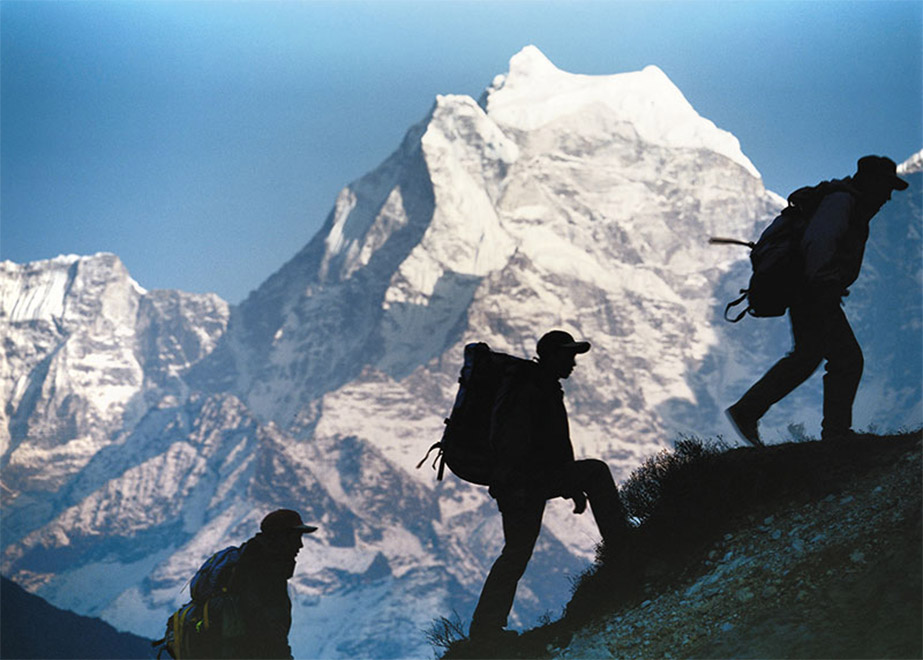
column 746, row 427
column 838, row 436
column 491, row 635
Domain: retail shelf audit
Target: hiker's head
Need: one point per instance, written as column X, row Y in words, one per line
column 557, row 351
column 876, row 177
column 282, row 529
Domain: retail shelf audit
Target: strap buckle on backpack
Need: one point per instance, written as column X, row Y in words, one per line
column 733, row 304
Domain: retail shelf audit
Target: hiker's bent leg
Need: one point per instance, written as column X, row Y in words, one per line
column 522, row 522
column 594, row 478
column 843, row 373
column 792, row 370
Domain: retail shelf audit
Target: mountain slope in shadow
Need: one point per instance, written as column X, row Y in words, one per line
column 32, row 628
column 802, row 549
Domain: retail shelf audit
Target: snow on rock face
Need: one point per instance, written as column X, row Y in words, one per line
column 588, row 194
column 86, row 351
column 175, row 330
column 912, row 165
column 69, row 328
column 41, row 291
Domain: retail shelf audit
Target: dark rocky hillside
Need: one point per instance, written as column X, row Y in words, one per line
column 803, row 549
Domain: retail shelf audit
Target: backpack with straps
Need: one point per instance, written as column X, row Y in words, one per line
column 776, row 258
column 196, row 629
column 465, row 446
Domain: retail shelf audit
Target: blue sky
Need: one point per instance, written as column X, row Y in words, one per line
column 205, row 142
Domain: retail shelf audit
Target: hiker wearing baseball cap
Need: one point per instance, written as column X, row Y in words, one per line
column 260, row 581
column 831, row 251
column 535, row 463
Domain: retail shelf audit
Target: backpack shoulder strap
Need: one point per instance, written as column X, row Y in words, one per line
column 734, row 303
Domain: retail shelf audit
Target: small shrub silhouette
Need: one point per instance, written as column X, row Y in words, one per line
column 444, row 632
column 645, row 487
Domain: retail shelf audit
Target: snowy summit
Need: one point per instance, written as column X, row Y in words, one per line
column 535, row 93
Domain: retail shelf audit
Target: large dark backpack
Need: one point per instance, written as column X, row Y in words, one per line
column 776, row 258
column 465, row 446
column 196, row 629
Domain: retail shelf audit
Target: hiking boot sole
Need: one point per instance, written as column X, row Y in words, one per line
column 752, row 440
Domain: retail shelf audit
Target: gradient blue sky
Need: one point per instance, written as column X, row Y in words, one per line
column 204, row 143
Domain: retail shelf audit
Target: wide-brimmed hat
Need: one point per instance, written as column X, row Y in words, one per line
column 560, row 340
column 880, row 168
column 285, row 520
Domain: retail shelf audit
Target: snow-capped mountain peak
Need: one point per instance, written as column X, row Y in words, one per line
column 40, row 293
column 535, row 93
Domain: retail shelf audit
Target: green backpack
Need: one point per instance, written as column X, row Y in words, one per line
column 207, row 625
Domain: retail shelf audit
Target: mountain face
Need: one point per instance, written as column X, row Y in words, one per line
column 143, row 431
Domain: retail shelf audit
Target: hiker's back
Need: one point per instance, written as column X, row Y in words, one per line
column 778, row 258
column 240, row 608
column 263, row 607
column 466, row 442
column 201, row 627
column 530, row 420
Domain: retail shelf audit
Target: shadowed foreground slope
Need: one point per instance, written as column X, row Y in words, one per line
column 795, row 550
column 31, row 628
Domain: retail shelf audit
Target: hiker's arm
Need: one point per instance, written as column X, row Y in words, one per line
column 820, row 242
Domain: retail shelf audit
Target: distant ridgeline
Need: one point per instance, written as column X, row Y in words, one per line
column 31, row 628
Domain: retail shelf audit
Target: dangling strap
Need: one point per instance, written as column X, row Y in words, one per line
column 178, row 630
column 441, row 471
column 734, row 303
column 438, row 446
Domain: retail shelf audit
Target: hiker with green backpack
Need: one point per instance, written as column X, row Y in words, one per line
column 804, row 262
column 240, row 606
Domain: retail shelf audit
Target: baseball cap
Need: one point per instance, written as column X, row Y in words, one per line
column 560, row 340
column 880, row 168
column 285, row 520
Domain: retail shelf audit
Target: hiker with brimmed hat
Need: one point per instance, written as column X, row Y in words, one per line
column 831, row 252
column 534, row 463
column 260, row 583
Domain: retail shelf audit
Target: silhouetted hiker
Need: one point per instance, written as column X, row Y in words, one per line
column 240, row 606
column 266, row 563
column 534, row 463
column 831, row 248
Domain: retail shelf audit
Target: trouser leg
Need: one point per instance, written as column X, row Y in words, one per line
column 593, row 477
column 522, row 523
column 793, row 369
column 843, row 373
